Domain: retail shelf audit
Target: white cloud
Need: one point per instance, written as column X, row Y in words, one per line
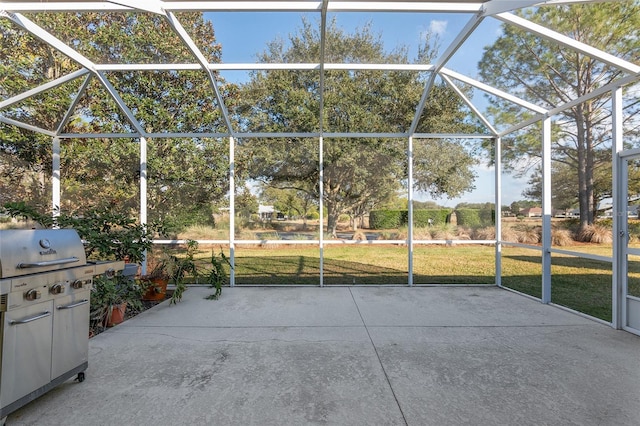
column 438, row 27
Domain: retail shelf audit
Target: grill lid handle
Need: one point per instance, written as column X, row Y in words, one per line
column 47, row 263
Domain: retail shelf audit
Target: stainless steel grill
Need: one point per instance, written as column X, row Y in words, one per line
column 45, row 286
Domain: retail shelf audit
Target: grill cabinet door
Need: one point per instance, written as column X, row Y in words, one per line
column 70, row 333
column 26, row 351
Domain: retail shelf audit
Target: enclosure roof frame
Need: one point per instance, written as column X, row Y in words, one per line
column 501, row 10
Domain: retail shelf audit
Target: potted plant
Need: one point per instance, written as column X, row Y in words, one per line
column 155, row 282
column 180, row 269
column 216, row 275
column 110, row 298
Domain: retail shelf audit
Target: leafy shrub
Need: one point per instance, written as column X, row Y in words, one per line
column 509, row 234
column 423, row 233
column 390, row 219
column 463, row 233
column 385, row 219
column 203, row 232
column 595, row 234
column 388, row 235
column 444, row 232
column 359, row 236
column 421, row 217
column 468, row 217
column 529, row 234
column 561, row 237
column 183, row 218
column 487, row 233
column 487, row 216
column 269, row 236
column 300, row 237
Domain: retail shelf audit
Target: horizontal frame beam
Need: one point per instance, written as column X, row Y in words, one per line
column 275, row 135
column 258, row 66
column 251, row 6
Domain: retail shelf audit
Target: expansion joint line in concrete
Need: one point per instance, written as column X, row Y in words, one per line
column 375, row 350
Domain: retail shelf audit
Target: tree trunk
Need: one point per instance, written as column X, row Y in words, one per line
column 584, row 177
column 354, row 222
column 332, row 222
column 591, row 201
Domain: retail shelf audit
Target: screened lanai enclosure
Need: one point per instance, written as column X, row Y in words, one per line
column 344, row 142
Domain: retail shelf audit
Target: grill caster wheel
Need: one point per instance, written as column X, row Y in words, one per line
column 80, row 377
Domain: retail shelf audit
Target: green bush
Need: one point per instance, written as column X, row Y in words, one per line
column 184, row 218
column 391, row 219
column 474, row 218
column 385, row 219
column 468, row 217
column 421, row 217
column 487, row 217
column 343, row 218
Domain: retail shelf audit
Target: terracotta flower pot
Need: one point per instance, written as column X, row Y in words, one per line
column 157, row 290
column 116, row 314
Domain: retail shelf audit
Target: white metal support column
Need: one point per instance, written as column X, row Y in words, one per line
column 55, row 177
column 143, row 193
column 410, row 209
column 321, row 208
column 323, row 46
column 232, row 212
column 497, row 163
column 546, row 210
column 619, row 207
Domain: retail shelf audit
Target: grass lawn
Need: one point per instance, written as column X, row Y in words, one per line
column 379, row 264
column 578, row 283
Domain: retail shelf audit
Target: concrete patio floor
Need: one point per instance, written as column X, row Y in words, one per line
column 352, row 356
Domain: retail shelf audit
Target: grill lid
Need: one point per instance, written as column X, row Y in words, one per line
column 29, row 251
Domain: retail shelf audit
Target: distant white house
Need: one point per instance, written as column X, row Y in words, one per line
column 573, row 213
column 265, row 212
column 531, row 212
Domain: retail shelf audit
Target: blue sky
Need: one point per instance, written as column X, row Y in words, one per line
column 244, row 35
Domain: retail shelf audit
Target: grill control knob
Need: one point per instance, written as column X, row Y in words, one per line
column 78, row 284
column 56, row 289
column 32, row 294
